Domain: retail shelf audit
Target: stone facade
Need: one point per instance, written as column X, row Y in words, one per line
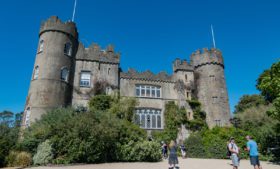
column 65, row 73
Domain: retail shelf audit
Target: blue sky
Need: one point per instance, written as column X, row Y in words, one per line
column 150, row 34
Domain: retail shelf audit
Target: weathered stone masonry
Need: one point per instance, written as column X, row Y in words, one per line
column 65, row 73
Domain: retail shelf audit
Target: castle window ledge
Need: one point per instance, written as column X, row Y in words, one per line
column 67, row 55
column 154, row 129
column 63, row 81
column 84, row 86
column 155, row 98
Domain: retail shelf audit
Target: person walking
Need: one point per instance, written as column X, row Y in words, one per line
column 164, row 149
column 183, row 150
column 234, row 150
column 252, row 147
column 173, row 159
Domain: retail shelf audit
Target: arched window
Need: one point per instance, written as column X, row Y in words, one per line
column 148, row 121
column 27, row 117
column 68, row 49
column 41, row 45
column 186, row 78
column 159, row 121
column 109, row 71
column 36, row 73
column 149, row 118
column 143, row 120
column 154, row 121
column 64, row 74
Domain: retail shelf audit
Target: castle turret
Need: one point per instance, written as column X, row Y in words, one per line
column 211, row 86
column 183, row 71
column 52, row 78
column 184, row 83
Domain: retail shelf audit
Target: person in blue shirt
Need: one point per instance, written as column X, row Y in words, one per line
column 252, row 147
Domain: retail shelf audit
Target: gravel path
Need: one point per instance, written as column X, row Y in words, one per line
column 188, row 163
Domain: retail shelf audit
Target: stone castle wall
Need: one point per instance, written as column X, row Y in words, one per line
column 202, row 78
column 211, row 87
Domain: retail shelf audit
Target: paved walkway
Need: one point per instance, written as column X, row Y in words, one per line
column 188, row 163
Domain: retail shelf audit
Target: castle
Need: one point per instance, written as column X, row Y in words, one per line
column 65, row 73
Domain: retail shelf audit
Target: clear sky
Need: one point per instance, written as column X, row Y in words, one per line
column 150, row 34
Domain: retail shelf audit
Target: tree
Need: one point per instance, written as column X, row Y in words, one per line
column 269, row 82
column 269, row 85
column 8, row 135
column 6, row 117
column 247, row 101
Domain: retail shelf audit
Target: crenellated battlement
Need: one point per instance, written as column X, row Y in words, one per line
column 55, row 24
column 205, row 56
column 147, row 76
column 183, row 65
column 95, row 53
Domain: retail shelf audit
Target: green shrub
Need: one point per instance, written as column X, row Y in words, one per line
column 85, row 137
column 11, row 158
column 23, row 159
column 19, row 159
column 52, row 124
column 61, row 160
column 8, row 138
column 194, row 146
column 216, row 140
column 149, row 151
column 44, row 154
column 212, row 143
column 100, row 102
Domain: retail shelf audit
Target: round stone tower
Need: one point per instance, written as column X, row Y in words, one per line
column 52, row 78
column 211, row 86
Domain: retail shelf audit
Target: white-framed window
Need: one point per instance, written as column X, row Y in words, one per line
column 36, row 73
column 64, row 74
column 27, row 117
column 148, row 118
column 41, row 45
column 148, row 91
column 85, row 79
column 68, row 49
